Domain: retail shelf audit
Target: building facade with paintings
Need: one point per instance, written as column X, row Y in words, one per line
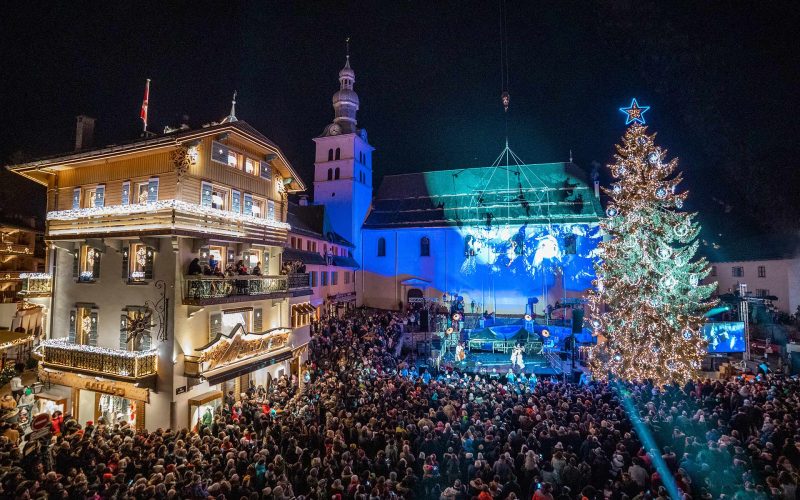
column 166, row 257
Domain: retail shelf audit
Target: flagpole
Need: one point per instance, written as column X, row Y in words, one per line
column 145, row 102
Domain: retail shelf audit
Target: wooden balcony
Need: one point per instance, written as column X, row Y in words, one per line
column 36, row 285
column 164, row 217
column 98, row 361
column 205, row 290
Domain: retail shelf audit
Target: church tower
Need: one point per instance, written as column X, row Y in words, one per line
column 343, row 165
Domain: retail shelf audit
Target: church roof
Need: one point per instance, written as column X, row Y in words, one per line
column 515, row 194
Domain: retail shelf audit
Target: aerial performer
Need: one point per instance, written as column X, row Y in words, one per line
column 460, row 354
column 516, row 357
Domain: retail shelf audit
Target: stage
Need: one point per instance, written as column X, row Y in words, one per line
column 488, row 362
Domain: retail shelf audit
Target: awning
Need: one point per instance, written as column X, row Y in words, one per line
column 205, row 398
column 345, row 261
column 307, row 258
column 227, row 373
column 10, row 339
column 307, row 308
column 417, row 282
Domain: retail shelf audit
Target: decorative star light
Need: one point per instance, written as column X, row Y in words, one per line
column 634, row 112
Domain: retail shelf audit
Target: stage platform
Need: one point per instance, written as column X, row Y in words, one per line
column 487, row 362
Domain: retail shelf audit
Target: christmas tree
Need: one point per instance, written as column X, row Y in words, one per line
column 648, row 305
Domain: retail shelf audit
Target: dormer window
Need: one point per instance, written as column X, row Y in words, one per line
column 233, row 159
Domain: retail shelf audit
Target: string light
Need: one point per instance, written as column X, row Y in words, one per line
column 648, row 304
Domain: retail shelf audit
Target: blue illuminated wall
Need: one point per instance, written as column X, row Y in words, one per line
column 497, row 267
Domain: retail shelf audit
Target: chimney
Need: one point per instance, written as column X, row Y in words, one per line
column 303, row 200
column 84, row 132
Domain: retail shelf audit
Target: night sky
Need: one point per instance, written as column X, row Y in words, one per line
column 721, row 80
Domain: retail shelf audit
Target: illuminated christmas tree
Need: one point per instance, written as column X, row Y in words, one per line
column 647, row 309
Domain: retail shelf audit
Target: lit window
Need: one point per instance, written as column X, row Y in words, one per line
column 258, row 207
column 219, row 198
column 89, row 264
column 140, row 260
column 233, row 159
column 89, row 197
column 83, row 325
column 250, row 166
column 141, row 192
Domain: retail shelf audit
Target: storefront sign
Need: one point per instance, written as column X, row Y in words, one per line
column 180, row 390
column 121, row 389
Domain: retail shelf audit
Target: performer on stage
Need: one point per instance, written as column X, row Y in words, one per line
column 460, row 354
column 516, row 357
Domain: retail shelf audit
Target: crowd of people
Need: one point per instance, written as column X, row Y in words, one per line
column 364, row 427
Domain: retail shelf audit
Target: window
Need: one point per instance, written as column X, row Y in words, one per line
column 219, row 198
column 83, row 325
column 137, row 263
column 143, row 340
column 293, row 242
column 233, row 159
column 86, row 266
column 762, row 292
column 324, row 249
column 93, row 196
column 312, row 276
column 737, row 271
column 250, row 166
column 270, row 210
column 308, row 245
column 346, row 277
column 126, row 193
column 424, row 247
column 334, row 278
column 324, row 275
column 330, row 174
column 381, row 247
column 147, row 192
column 257, row 210
column 338, row 153
column 713, row 270
column 336, row 173
column 252, row 258
column 762, row 271
column 330, row 154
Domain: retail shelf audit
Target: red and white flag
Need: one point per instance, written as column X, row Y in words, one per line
column 143, row 112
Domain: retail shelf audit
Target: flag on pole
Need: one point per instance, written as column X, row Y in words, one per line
column 143, row 112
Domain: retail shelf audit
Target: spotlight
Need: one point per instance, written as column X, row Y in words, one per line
column 450, row 330
column 528, row 317
column 456, row 317
column 545, row 333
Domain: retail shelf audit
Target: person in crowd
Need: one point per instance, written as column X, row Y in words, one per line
column 257, row 269
column 241, row 269
column 16, row 383
column 194, row 267
column 213, row 263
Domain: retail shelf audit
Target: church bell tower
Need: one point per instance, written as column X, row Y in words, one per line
column 343, row 165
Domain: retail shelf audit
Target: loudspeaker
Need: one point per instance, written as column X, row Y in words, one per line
column 423, row 348
column 577, row 320
column 423, row 320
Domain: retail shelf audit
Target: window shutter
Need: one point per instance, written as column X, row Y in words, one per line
column 148, row 263
column 236, row 202
column 266, row 170
column 123, row 332
column 270, row 210
column 96, row 266
column 126, row 193
column 205, row 194
column 258, row 320
column 73, row 321
column 152, row 190
column 76, row 198
column 125, row 263
column 248, row 204
column 93, row 329
column 215, row 326
column 100, row 196
column 219, row 152
column 76, row 263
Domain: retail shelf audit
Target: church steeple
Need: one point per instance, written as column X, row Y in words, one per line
column 345, row 102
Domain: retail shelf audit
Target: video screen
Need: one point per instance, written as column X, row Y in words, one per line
column 724, row 337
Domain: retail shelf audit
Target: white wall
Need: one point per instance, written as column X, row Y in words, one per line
column 782, row 280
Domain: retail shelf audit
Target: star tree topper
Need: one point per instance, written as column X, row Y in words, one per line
column 634, row 112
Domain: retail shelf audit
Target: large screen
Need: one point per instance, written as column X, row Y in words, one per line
column 724, row 337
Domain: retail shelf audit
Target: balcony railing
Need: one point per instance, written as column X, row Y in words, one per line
column 36, row 284
column 98, row 360
column 211, row 287
column 298, row 281
column 164, row 217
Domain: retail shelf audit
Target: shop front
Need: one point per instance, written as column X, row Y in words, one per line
column 93, row 398
column 341, row 303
